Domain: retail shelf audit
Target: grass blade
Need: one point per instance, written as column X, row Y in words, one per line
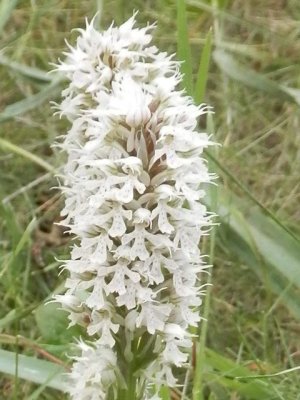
column 6, row 8
column 31, row 102
column 230, row 375
column 264, row 236
column 6, row 145
column 25, row 237
column 183, row 46
column 247, row 192
column 33, row 369
column 274, row 375
column 262, row 244
column 202, row 75
column 255, row 80
column 224, row 15
column 30, row 72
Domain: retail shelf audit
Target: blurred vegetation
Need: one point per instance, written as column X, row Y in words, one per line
column 250, row 69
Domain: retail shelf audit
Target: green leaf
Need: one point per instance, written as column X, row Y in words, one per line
column 262, row 244
column 9, row 317
column 6, row 145
column 31, row 102
column 15, row 315
column 255, row 80
column 33, row 370
column 224, row 15
column 248, row 194
column 228, row 373
column 183, row 46
column 6, row 9
column 202, row 75
column 268, row 376
column 30, row 72
column 25, row 237
column 53, row 324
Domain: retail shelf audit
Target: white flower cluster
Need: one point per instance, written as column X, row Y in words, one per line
column 133, row 184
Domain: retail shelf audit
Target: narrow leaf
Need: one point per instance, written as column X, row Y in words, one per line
column 33, row 370
column 25, row 237
column 202, row 75
column 262, row 244
column 264, row 236
column 248, row 77
column 6, row 9
column 30, row 72
column 228, row 373
column 247, row 192
column 6, row 145
column 30, row 103
column 16, row 315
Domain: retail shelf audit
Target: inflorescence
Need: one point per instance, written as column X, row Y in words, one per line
column 133, row 185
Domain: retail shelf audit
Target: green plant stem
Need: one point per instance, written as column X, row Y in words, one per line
column 131, row 392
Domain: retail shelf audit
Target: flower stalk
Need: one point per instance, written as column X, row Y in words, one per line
column 133, row 184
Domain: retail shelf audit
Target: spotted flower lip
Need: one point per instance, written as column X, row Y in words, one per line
column 133, row 184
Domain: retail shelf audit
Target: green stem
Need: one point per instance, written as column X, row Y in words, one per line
column 129, row 346
column 131, row 392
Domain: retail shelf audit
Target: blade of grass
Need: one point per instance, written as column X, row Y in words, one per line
column 30, row 72
column 287, row 293
column 204, row 6
column 15, row 315
column 265, row 210
column 31, row 102
column 6, row 145
column 263, row 245
column 8, row 216
column 6, row 9
column 255, row 80
column 226, row 372
column 33, row 369
column 228, row 16
column 28, row 343
column 36, row 394
column 25, row 237
column 202, row 75
column 99, row 10
column 25, row 188
column 16, row 263
column 183, row 46
column 277, row 262
column 267, row 376
column 264, row 235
